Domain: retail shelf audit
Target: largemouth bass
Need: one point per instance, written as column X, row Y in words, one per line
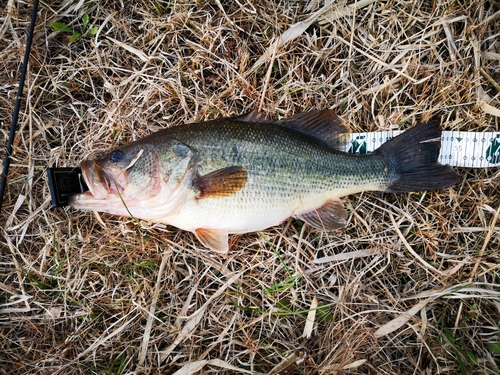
column 245, row 174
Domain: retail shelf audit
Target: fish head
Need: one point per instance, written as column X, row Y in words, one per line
column 120, row 172
column 140, row 176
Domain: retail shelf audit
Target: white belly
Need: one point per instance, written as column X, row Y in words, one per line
column 237, row 214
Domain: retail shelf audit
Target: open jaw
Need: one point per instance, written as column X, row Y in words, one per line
column 95, row 179
column 100, row 182
column 102, row 194
column 107, row 193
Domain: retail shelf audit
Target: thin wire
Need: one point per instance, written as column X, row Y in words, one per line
column 15, row 115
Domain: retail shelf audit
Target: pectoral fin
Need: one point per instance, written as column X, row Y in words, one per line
column 331, row 216
column 214, row 239
column 221, row 183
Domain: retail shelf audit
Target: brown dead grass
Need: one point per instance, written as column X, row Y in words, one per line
column 85, row 296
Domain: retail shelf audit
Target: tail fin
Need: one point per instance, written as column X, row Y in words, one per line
column 412, row 158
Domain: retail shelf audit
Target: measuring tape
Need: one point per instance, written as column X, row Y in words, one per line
column 458, row 149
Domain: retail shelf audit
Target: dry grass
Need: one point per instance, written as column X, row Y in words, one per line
column 81, row 296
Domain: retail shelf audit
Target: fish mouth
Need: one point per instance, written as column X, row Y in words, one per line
column 104, row 192
column 95, row 178
column 99, row 182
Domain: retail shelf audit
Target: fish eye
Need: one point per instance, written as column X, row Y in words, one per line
column 180, row 150
column 117, row 155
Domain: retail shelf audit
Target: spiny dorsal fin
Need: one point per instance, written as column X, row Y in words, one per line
column 321, row 124
column 221, row 183
column 330, row 216
column 214, row 239
column 252, row 116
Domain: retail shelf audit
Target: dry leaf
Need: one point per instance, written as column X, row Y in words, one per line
column 134, row 50
column 194, row 367
column 347, row 256
column 490, row 109
column 310, row 318
column 401, row 320
column 354, row 364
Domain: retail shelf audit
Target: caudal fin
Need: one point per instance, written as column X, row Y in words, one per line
column 412, row 157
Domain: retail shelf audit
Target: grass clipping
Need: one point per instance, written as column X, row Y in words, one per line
column 410, row 286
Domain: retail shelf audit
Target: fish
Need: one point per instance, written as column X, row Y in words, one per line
column 245, row 174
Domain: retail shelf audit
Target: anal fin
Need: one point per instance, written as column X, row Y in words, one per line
column 330, row 216
column 222, row 182
column 214, row 239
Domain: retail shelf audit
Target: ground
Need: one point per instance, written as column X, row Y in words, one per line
column 410, row 286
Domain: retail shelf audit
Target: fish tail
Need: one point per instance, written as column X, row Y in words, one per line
column 412, row 160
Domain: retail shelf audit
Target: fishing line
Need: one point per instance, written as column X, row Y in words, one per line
column 15, row 115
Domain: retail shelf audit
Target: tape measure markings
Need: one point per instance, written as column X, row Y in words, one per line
column 458, row 148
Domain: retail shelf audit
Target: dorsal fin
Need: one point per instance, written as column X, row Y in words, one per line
column 252, row 116
column 322, row 124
